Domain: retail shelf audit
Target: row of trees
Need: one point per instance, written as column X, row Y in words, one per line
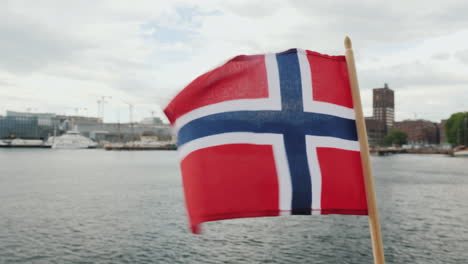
column 456, row 129
column 395, row 137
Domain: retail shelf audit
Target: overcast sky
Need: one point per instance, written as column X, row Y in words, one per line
column 60, row 56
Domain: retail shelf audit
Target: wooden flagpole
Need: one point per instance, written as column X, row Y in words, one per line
column 374, row 224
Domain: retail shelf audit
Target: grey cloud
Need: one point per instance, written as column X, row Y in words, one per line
column 52, row 43
column 462, row 56
column 6, row 82
column 13, row 98
column 252, row 9
column 85, row 69
column 377, row 21
column 147, row 87
column 410, row 74
column 27, row 45
column 441, row 56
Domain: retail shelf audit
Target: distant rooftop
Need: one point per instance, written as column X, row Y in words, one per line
column 384, row 88
column 29, row 114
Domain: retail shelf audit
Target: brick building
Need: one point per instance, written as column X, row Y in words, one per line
column 443, row 137
column 376, row 131
column 383, row 104
column 383, row 118
column 419, row 131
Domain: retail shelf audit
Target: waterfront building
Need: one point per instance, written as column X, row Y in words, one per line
column 383, row 104
column 443, row 137
column 71, row 122
column 376, row 131
column 151, row 121
column 419, row 131
column 21, row 127
column 117, row 132
column 383, row 118
column 43, row 119
column 77, row 120
column 27, row 125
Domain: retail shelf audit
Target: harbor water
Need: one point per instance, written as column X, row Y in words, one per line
column 96, row 206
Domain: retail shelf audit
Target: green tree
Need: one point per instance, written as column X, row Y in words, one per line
column 395, row 137
column 456, row 129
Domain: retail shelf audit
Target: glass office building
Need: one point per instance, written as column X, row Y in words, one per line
column 27, row 125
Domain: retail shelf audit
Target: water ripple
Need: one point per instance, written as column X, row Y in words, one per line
column 118, row 207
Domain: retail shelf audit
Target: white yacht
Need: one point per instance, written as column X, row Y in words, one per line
column 71, row 140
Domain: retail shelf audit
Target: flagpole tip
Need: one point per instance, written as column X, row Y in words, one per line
column 347, row 43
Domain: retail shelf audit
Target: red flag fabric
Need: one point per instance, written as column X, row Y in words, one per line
column 269, row 135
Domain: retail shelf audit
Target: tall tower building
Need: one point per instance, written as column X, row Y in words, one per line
column 384, row 106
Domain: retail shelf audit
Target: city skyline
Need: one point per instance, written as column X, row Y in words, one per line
column 67, row 56
column 124, row 113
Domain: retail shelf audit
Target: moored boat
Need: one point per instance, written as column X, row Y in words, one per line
column 460, row 151
column 23, row 143
column 71, row 140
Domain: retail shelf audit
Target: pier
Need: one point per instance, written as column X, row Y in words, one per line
column 392, row 150
column 136, row 147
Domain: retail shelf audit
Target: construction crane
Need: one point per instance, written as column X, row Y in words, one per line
column 101, row 102
column 79, row 109
column 131, row 108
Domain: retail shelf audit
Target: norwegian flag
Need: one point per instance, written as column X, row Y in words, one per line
column 268, row 135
